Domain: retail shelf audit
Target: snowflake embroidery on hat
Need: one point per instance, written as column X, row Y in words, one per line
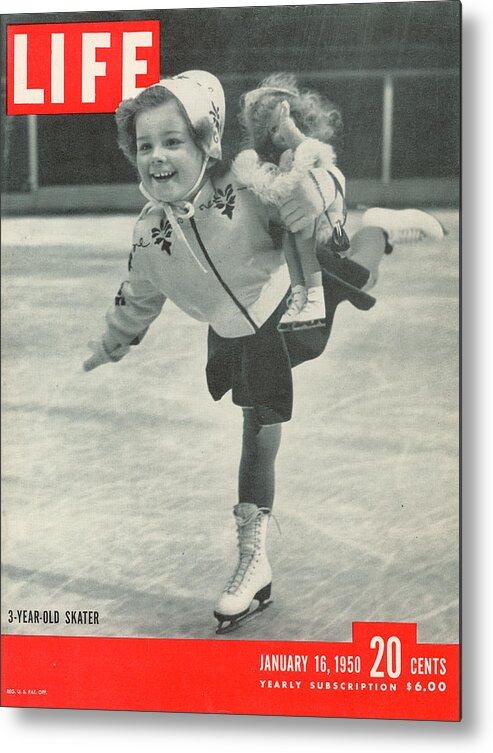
column 162, row 234
column 224, row 200
column 214, row 113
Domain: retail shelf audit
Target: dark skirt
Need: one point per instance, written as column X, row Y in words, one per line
column 257, row 368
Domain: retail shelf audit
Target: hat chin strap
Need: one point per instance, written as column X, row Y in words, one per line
column 196, row 185
column 185, row 207
column 185, row 200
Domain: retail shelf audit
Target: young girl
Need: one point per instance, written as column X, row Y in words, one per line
column 218, row 252
column 283, row 155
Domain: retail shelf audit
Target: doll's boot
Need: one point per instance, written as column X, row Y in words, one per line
column 296, row 302
column 252, row 578
column 404, row 225
column 311, row 314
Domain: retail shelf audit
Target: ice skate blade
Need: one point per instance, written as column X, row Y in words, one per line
column 298, row 326
column 230, row 625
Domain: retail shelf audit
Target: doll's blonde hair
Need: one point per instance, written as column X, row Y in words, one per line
column 314, row 115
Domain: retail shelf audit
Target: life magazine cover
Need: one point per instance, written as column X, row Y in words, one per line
column 230, row 360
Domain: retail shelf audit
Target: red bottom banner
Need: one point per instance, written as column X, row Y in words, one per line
column 382, row 674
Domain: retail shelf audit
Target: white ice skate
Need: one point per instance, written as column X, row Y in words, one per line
column 304, row 314
column 404, row 225
column 252, row 579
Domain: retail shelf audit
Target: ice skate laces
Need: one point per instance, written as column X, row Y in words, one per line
column 249, row 544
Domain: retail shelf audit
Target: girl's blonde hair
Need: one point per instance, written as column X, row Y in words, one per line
column 314, row 115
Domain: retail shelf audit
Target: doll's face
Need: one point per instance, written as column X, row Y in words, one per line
column 168, row 160
column 284, row 133
column 274, row 126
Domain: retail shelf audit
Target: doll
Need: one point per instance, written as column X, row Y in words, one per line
column 282, row 156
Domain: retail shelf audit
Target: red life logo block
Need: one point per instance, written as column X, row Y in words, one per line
column 79, row 67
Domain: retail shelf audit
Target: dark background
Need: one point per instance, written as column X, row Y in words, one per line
column 240, row 45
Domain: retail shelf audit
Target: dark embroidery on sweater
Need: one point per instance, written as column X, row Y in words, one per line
column 224, row 200
column 135, row 246
column 162, row 234
column 120, row 298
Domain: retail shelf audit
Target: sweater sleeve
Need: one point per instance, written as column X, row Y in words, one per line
column 136, row 305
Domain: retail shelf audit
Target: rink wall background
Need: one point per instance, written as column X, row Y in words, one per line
column 392, row 69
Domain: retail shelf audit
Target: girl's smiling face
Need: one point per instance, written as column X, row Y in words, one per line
column 168, row 160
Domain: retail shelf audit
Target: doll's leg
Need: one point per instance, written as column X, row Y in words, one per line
column 312, row 312
column 293, row 260
column 301, row 258
column 298, row 297
column 306, row 251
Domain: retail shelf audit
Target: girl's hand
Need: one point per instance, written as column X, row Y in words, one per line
column 286, row 161
column 101, row 355
column 308, row 200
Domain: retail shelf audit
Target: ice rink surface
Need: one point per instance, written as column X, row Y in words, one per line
column 119, row 484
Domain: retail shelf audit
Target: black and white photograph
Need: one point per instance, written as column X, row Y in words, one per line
column 231, row 332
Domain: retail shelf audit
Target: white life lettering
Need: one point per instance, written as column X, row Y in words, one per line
column 91, row 68
column 23, row 95
column 131, row 67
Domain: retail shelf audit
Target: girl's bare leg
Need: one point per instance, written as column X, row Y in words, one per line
column 368, row 246
column 256, row 479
